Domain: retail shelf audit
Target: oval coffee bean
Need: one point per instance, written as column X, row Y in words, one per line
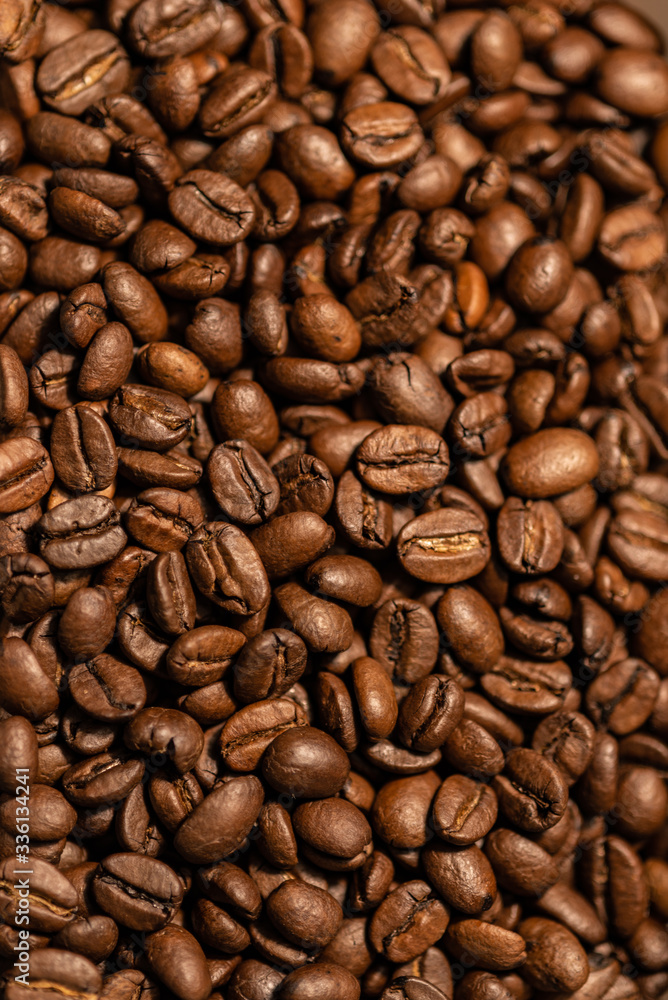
column 140, row 892
column 445, row 546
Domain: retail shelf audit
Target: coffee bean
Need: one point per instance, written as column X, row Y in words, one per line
column 61, row 971
column 550, row 462
column 305, row 763
column 212, row 208
column 233, row 808
column 163, row 519
column 401, row 809
column 135, row 302
column 532, row 792
column 70, row 83
column 408, row 921
column 107, row 689
column 464, row 810
column 365, row 518
column 306, row 915
column 314, row 161
column 170, row 596
column 445, row 546
column 404, row 640
column 227, row 569
column 325, row 980
column 623, row 695
column 80, row 533
column 82, row 449
column 26, row 473
column 203, row 655
column 381, row 134
column 139, row 892
column 491, row 946
column 149, row 418
column 554, row 955
column 168, row 731
column 402, row 458
column 462, row 876
column 324, row 627
column 335, row 834
column 430, row 713
column 177, row 960
column 102, row 779
column 645, row 81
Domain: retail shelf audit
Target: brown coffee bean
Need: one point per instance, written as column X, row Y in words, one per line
column 408, row 921
column 82, row 449
column 227, row 569
column 550, row 462
column 462, row 876
column 401, row 810
column 532, row 793
column 554, row 955
column 445, row 546
column 464, row 810
column 335, row 834
column 430, row 713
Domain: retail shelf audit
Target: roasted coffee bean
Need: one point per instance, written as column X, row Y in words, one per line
column 26, row 473
column 464, row 810
column 82, row 449
column 445, row 546
column 365, row 518
column 531, row 536
column 305, row 763
column 177, row 960
column 27, row 587
column 80, row 533
column 170, row 595
column 227, row 569
column 375, row 697
column 247, row 734
column 404, row 640
column 61, row 971
column 70, row 83
column 100, row 780
column 135, row 302
column 381, row 134
column 402, row 458
column 551, row 462
column 163, row 519
column 462, row 876
column 324, row 627
column 304, row 914
column 242, row 410
column 149, row 418
column 203, row 655
column 554, row 955
column 408, row 921
column 401, row 809
column 430, row 713
column 140, row 892
column 107, row 689
column 242, row 483
column 532, row 792
column 623, row 696
column 335, row 833
column 470, row 627
column 233, row 808
column 166, row 731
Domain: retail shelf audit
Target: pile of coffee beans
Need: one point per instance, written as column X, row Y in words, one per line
column 334, row 500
